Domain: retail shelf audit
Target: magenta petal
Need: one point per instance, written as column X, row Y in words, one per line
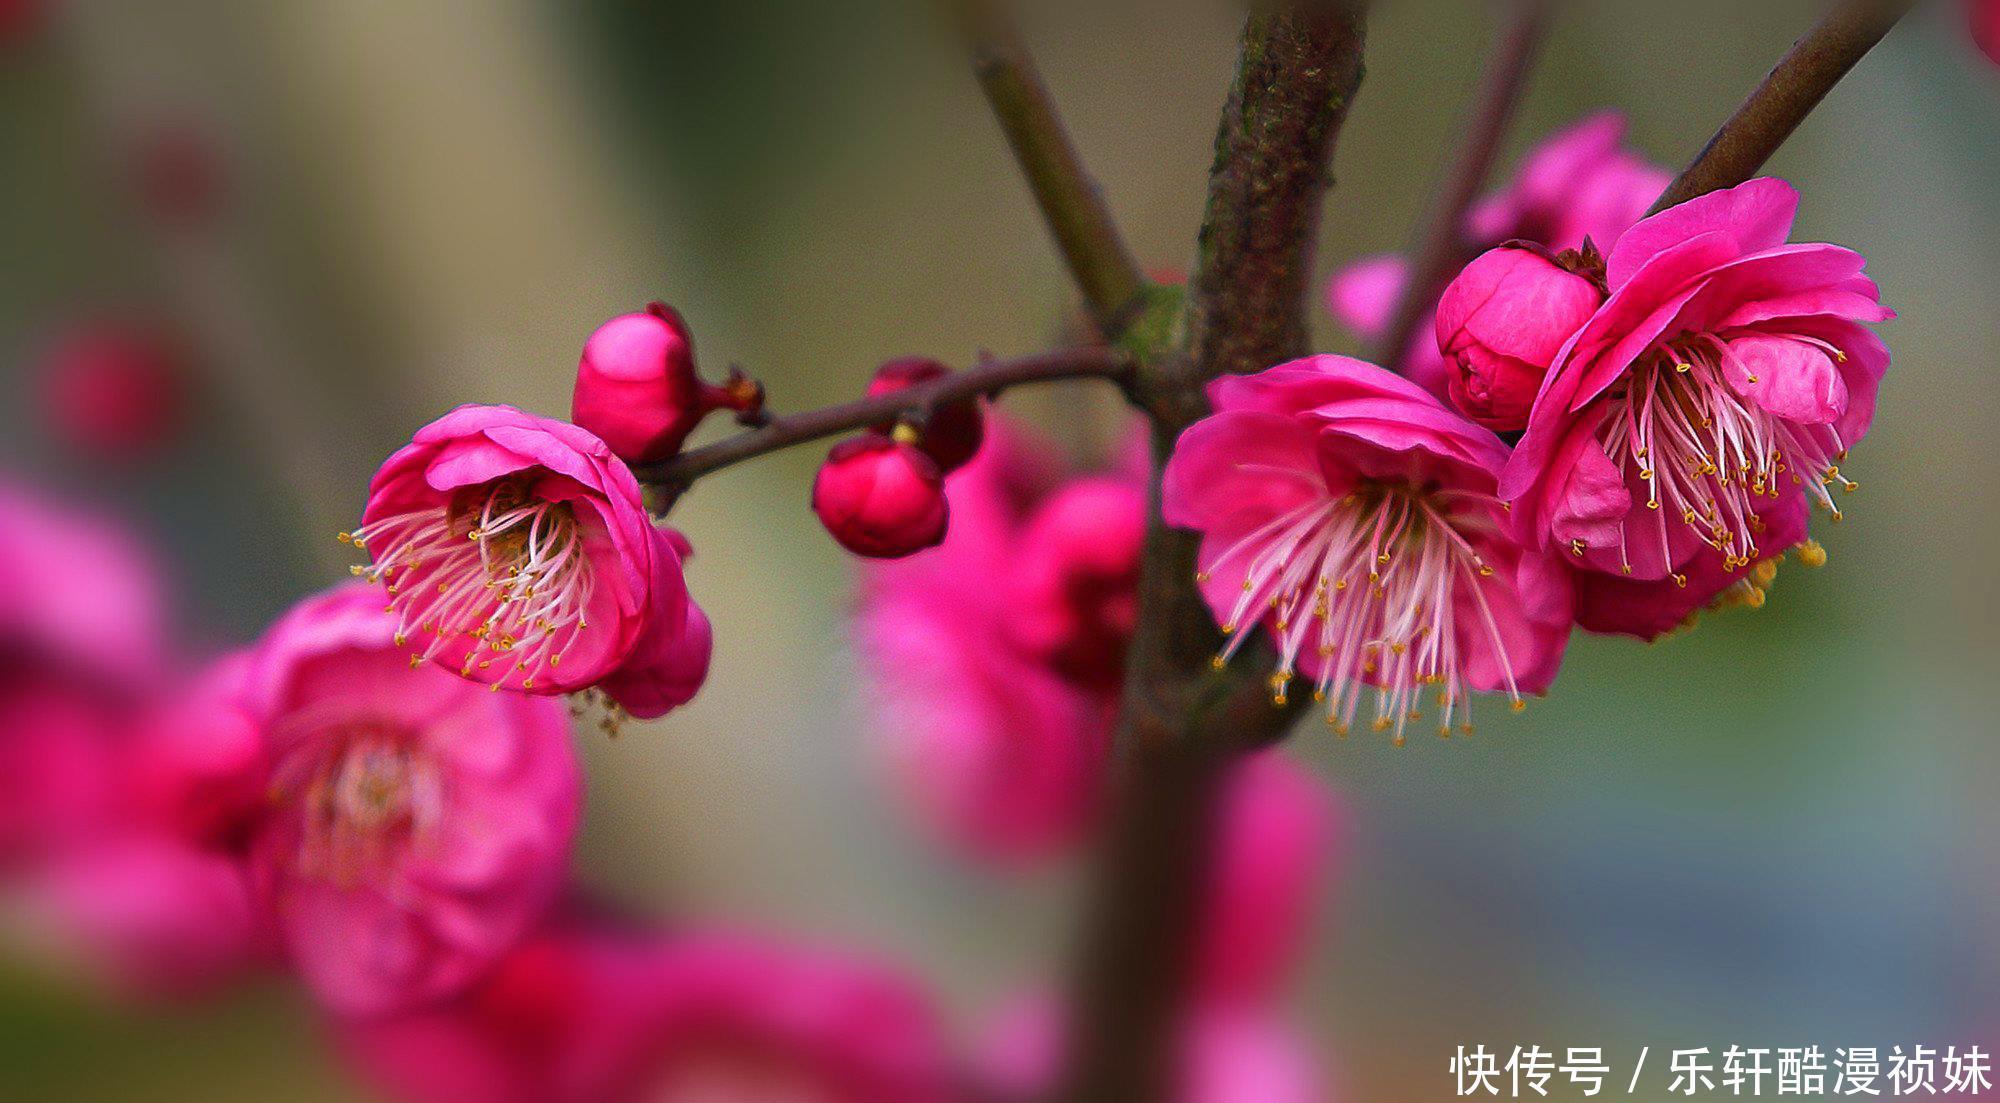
column 1790, row 378
column 1240, row 463
column 1755, row 216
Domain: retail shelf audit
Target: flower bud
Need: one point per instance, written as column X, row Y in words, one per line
column 1986, row 27
column 1502, row 323
column 637, row 388
column 953, row 432
column 881, row 497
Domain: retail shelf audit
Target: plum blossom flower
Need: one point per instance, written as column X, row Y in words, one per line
column 638, row 390
column 1075, row 596
column 1355, row 517
column 516, row 550
column 1274, row 851
column 416, row 826
column 722, row 1015
column 1580, row 183
column 1724, row 379
column 1224, row 1054
column 998, row 748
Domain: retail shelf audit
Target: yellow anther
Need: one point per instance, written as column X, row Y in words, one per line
column 1518, row 705
column 1812, row 554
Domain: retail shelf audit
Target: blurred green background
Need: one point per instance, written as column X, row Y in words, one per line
column 1776, row 831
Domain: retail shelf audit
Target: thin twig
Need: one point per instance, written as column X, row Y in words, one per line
column 675, row 475
column 1800, row 81
column 1440, row 249
column 1113, row 288
column 1185, row 723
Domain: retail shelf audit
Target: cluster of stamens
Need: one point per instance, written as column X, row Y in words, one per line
column 498, row 567
column 1708, row 457
column 1369, row 583
column 361, row 792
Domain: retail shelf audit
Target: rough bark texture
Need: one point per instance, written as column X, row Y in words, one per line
column 1185, row 722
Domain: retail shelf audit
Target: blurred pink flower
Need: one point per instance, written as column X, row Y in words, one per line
column 81, row 647
column 1276, row 842
column 1226, row 1054
column 516, row 551
column 997, row 750
column 881, row 497
column 1502, row 323
column 589, row 1012
column 1727, row 370
column 147, row 914
column 1075, row 599
column 1579, row 183
column 638, row 390
column 1986, row 27
column 1351, row 514
column 177, row 169
column 417, row 826
column 113, row 391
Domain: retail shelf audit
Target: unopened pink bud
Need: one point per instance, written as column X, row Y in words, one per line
column 1502, row 323
column 881, row 497
column 952, row 433
column 637, row 388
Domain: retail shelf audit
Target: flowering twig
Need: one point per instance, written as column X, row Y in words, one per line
column 1113, row 288
column 1184, row 722
column 1439, row 249
column 673, row 476
column 1800, row 81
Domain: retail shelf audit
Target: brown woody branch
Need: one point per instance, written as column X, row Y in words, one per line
column 671, row 477
column 1800, row 81
column 1185, row 723
column 1440, row 248
column 1071, row 203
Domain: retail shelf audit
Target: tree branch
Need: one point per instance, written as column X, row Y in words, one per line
column 1800, row 81
column 671, row 477
column 1184, row 723
column 1440, row 248
column 1074, row 208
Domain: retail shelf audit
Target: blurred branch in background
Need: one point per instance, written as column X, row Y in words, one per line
column 1439, row 248
column 1070, row 200
column 1800, row 81
column 203, row 271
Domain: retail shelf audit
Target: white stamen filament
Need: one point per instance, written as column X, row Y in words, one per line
column 1709, row 457
column 1369, row 582
column 510, row 575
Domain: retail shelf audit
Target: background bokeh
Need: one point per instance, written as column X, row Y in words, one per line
column 1779, row 830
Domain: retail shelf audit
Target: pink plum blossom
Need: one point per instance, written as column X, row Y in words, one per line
column 1224, row 1054
column 1579, row 183
column 1726, row 376
column 81, row 648
column 1352, row 515
column 1076, row 579
column 711, row 1016
column 638, row 390
column 996, row 748
column 1986, row 27
column 881, row 497
column 1502, row 323
column 516, row 551
column 416, row 825
column 1273, row 850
